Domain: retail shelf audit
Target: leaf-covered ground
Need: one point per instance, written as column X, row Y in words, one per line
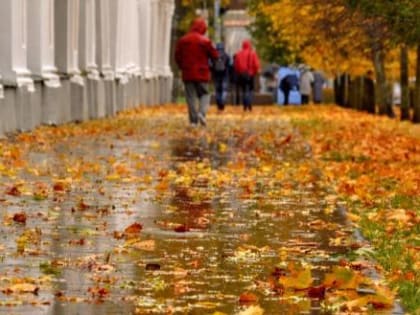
column 374, row 165
column 142, row 214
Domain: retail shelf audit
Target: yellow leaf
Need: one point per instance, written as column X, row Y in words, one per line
column 300, row 279
column 252, row 310
column 24, row 288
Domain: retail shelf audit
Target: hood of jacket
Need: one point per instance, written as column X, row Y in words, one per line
column 246, row 44
column 199, row 26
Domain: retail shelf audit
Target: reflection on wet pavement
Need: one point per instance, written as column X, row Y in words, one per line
column 221, row 209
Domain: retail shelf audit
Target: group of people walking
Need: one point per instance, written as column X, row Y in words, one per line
column 299, row 85
column 199, row 62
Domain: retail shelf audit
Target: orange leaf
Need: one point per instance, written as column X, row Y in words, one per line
column 134, row 228
column 247, row 297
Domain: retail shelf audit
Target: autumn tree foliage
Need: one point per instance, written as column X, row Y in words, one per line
column 341, row 35
column 402, row 19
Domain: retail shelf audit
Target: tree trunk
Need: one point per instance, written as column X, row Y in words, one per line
column 405, row 89
column 385, row 107
column 416, row 116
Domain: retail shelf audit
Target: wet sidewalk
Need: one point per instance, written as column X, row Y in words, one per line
column 145, row 215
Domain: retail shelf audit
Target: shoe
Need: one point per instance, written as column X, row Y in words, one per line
column 202, row 119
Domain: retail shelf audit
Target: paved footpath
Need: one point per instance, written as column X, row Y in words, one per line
column 144, row 215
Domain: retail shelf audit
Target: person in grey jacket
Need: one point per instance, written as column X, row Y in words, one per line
column 306, row 82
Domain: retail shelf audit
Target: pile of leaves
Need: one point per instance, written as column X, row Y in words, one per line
column 374, row 165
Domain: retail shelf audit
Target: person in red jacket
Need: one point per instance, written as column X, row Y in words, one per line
column 246, row 66
column 192, row 54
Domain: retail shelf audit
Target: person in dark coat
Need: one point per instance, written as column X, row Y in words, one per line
column 192, row 54
column 318, row 87
column 221, row 75
column 246, row 67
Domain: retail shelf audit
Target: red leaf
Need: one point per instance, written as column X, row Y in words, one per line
column 20, row 217
column 13, row 191
column 316, row 292
column 58, row 186
column 181, row 228
column 287, row 139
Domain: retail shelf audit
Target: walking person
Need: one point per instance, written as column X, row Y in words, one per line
column 221, row 73
column 289, row 86
column 246, row 67
column 306, row 82
column 192, row 54
column 318, row 87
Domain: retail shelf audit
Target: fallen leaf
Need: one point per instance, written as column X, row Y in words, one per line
column 316, row 292
column 252, row 310
column 13, row 191
column 133, row 230
column 23, row 288
column 247, row 297
column 20, row 217
column 147, row 245
column 182, row 228
column 298, row 279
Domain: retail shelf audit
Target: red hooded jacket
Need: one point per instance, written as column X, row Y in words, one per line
column 246, row 60
column 193, row 51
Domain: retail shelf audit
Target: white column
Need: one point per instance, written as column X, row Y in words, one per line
column 13, row 43
column 160, row 37
column 67, row 38
column 120, row 41
column 105, row 36
column 1, row 89
column 154, row 47
column 147, row 38
column 132, row 38
column 168, row 15
column 87, row 40
column 41, row 41
column 144, row 36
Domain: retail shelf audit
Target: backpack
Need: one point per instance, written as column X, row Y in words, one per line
column 220, row 64
column 290, row 82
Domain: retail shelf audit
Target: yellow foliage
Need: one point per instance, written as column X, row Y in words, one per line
column 325, row 35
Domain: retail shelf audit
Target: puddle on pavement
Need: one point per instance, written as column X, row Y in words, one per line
column 231, row 242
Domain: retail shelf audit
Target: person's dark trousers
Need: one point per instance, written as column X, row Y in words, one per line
column 219, row 87
column 305, row 99
column 247, row 87
column 286, row 96
column 237, row 93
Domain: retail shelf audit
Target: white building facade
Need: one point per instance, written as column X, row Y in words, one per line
column 73, row 60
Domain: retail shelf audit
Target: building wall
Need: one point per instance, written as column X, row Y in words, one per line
column 235, row 23
column 73, row 60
